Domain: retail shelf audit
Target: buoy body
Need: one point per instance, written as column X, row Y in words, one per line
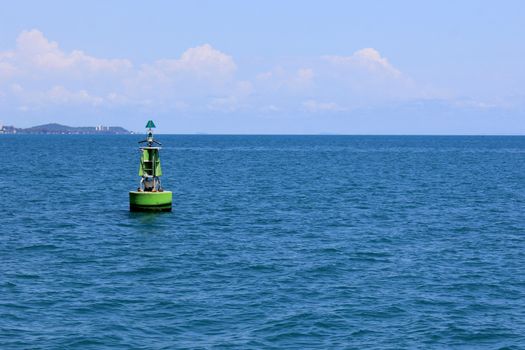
column 150, row 201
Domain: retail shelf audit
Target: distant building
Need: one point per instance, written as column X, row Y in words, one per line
column 102, row 128
column 5, row 129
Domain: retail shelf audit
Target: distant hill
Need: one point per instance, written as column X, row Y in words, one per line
column 55, row 128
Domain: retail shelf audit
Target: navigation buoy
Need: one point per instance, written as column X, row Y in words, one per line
column 150, row 196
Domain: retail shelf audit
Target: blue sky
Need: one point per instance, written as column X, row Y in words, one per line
column 374, row 67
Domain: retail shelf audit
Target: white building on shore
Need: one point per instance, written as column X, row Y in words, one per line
column 102, row 128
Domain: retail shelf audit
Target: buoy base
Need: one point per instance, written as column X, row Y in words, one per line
column 150, row 201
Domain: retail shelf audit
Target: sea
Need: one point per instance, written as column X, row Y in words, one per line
column 274, row 242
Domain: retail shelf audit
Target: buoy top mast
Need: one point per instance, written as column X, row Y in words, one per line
column 149, row 139
column 150, row 169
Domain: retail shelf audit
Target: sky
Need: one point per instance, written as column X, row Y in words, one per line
column 267, row 67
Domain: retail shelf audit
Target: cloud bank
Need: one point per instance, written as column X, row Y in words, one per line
column 37, row 74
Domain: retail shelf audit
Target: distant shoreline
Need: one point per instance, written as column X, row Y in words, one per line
column 277, row 135
column 59, row 129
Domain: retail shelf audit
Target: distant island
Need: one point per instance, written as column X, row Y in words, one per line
column 59, row 129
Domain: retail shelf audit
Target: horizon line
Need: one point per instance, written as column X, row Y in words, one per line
column 274, row 134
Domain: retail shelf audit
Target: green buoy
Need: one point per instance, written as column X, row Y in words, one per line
column 150, row 196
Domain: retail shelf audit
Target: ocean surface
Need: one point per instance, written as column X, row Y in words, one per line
column 274, row 242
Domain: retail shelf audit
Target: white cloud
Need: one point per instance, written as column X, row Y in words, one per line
column 7, row 70
column 61, row 95
column 367, row 58
column 56, row 95
column 16, row 88
column 234, row 100
column 35, row 51
column 316, row 106
column 476, row 104
column 270, row 108
column 202, row 78
column 202, row 61
column 51, row 74
column 200, row 71
column 283, row 79
column 359, row 80
column 224, row 104
column 367, row 78
column 303, row 77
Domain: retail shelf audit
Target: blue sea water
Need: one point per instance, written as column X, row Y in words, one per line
column 290, row 242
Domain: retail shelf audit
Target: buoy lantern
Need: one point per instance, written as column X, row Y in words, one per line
column 150, row 196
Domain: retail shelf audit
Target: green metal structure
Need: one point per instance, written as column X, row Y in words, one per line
column 150, row 162
column 150, row 196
